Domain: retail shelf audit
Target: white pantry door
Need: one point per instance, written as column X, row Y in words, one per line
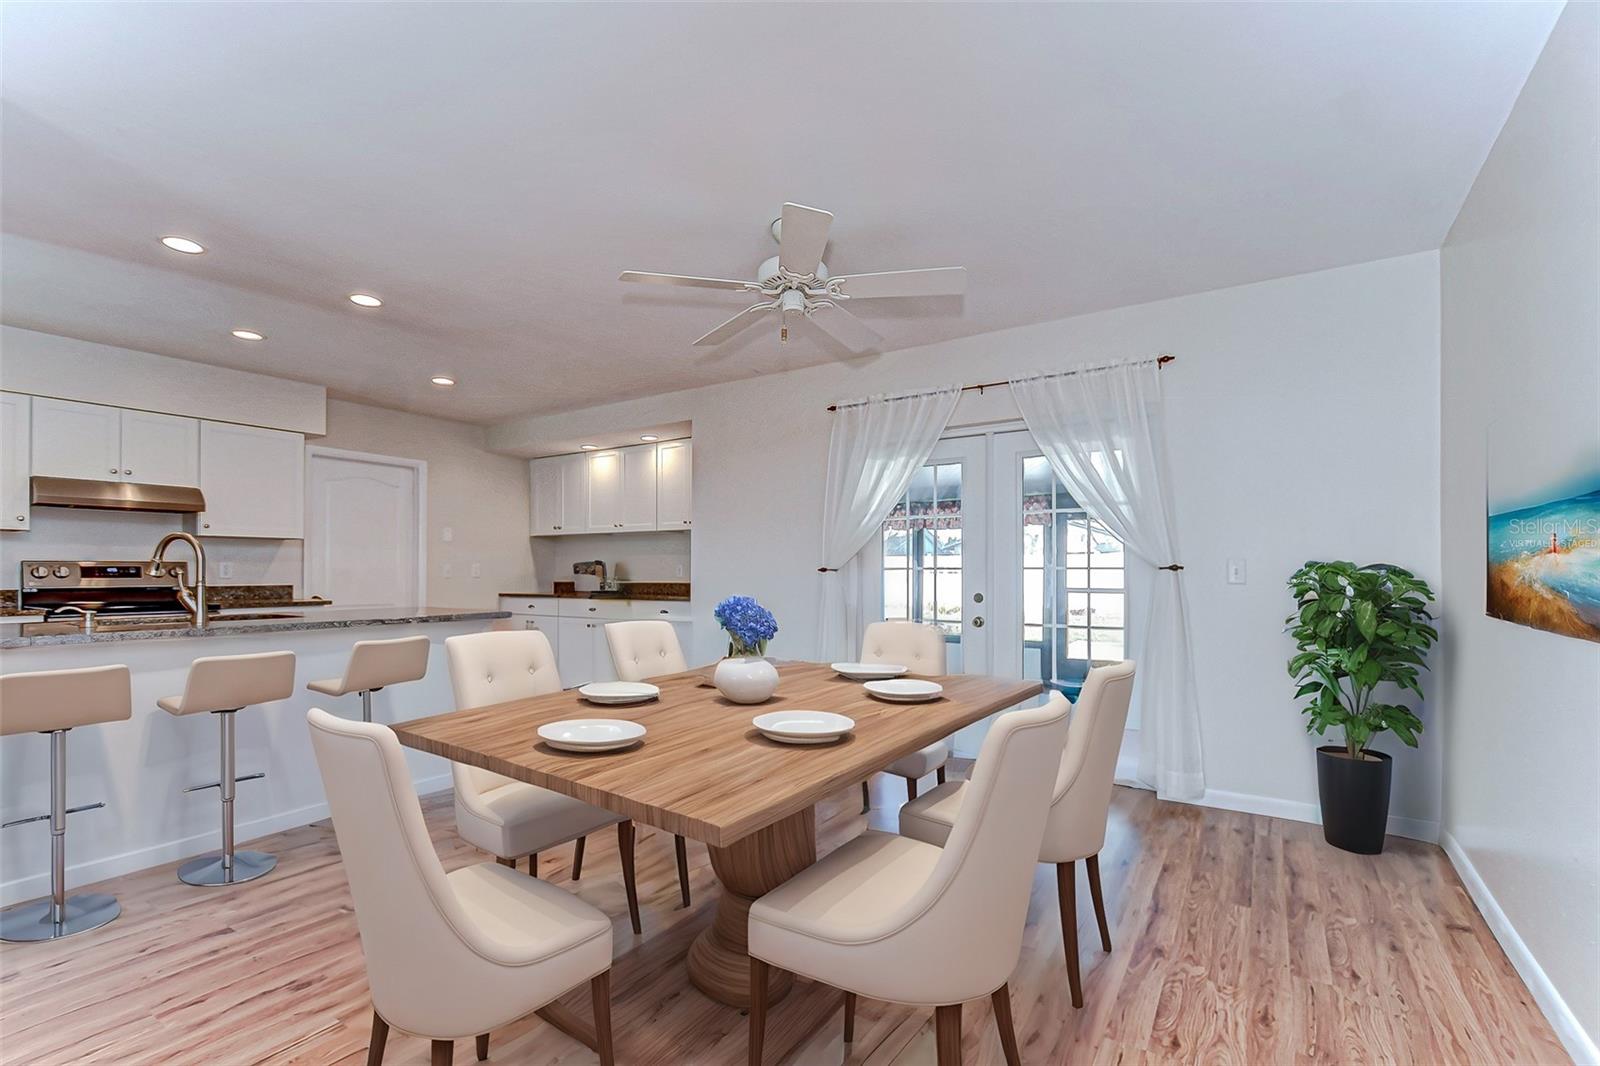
column 364, row 543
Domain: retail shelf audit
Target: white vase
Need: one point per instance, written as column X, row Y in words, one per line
column 746, row 680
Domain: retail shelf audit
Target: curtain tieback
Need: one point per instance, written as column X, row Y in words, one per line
column 1174, row 567
column 827, row 569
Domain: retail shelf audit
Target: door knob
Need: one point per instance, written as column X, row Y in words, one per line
column 977, row 623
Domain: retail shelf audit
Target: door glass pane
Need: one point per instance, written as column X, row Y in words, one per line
column 923, row 555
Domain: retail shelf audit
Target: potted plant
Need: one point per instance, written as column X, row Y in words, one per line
column 1358, row 628
column 745, row 676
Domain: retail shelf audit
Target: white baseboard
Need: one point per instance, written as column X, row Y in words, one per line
column 37, row 884
column 1579, row 1044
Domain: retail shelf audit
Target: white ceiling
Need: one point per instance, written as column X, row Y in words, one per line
column 488, row 169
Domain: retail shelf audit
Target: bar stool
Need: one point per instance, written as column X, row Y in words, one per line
column 374, row 664
column 54, row 701
column 223, row 685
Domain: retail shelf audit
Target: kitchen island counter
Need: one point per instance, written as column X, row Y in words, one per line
column 33, row 634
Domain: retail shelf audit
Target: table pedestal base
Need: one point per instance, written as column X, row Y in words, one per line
column 719, row 958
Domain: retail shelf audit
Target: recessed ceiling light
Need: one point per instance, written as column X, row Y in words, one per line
column 361, row 299
column 184, row 245
column 588, row 447
column 444, row 381
column 648, row 436
column 249, row 335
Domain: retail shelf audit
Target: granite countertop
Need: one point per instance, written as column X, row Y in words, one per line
column 220, row 597
column 24, row 634
column 629, row 590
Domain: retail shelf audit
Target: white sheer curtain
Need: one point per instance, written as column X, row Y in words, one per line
column 876, row 445
column 1100, row 430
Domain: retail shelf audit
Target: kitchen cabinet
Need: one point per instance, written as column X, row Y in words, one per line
column 96, row 442
column 582, row 654
column 674, row 498
column 605, row 491
column 253, row 480
column 79, row 440
column 16, row 435
column 558, row 495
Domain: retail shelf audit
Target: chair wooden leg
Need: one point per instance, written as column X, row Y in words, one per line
column 911, row 788
column 483, row 1046
column 1067, row 895
column 577, row 858
column 600, row 994
column 443, row 1052
column 380, row 1036
column 1093, row 864
column 681, row 848
column 866, row 797
column 947, row 1023
column 503, row 861
column 625, row 836
column 849, row 1017
column 758, row 1009
column 1001, row 998
column 939, row 773
column 533, row 865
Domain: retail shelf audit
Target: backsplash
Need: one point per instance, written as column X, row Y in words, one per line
column 628, row 556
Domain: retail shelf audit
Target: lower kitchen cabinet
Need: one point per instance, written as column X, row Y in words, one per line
column 582, row 654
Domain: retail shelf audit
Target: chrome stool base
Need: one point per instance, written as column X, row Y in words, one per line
column 207, row 870
column 27, row 922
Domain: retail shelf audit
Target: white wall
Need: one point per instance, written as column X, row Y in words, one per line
column 482, row 498
column 660, row 556
column 1521, row 347
column 1304, row 412
column 44, row 364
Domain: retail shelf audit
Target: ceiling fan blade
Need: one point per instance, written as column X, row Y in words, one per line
column 845, row 328
column 734, row 324
column 936, row 281
column 803, row 236
column 683, row 279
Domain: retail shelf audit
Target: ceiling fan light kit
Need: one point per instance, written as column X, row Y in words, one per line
column 796, row 283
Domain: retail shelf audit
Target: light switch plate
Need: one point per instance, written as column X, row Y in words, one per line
column 447, row 534
column 1236, row 572
column 445, row 571
column 477, row 569
column 225, row 571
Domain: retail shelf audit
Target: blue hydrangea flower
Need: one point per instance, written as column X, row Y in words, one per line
column 749, row 625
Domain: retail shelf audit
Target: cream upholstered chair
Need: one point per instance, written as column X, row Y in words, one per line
column 896, row 919
column 639, row 651
column 1076, row 828
column 374, row 665
column 448, row 955
column 919, row 648
column 510, row 818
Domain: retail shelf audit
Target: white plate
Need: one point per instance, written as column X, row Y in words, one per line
column 803, row 727
column 591, row 734
column 612, row 692
column 869, row 671
column 905, row 690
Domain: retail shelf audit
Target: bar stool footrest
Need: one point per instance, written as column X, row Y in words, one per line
column 27, row 922
column 216, row 784
column 46, row 817
column 207, row 870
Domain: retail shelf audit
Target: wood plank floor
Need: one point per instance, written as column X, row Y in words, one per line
column 1236, row 939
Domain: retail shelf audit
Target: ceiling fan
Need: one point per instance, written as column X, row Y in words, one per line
column 795, row 283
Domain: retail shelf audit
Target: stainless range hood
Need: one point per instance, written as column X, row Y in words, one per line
column 115, row 495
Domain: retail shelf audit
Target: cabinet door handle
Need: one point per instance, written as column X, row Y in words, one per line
column 22, row 518
column 205, row 525
column 113, row 470
column 127, row 471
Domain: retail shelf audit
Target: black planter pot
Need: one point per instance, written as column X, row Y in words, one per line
column 1355, row 799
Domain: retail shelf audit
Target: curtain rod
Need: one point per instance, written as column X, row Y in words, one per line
column 1160, row 361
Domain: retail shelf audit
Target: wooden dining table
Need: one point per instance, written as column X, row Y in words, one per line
column 703, row 771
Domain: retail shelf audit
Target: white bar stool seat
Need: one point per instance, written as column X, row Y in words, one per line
column 376, row 664
column 223, row 685
column 54, row 701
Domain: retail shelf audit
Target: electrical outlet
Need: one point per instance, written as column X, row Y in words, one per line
column 1236, row 572
column 680, row 569
column 447, row 534
column 445, row 571
column 477, row 569
column 225, row 571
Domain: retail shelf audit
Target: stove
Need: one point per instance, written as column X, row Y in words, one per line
column 111, row 589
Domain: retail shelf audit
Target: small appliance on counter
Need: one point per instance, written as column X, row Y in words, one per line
column 591, row 577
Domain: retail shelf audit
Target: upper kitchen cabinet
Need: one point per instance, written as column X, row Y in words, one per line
column 99, row 443
column 674, row 498
column 622, row 490
column 253, row 480
column 15, row 442
column 559, row 495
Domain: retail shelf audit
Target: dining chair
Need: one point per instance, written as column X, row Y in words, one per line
column 896, row 919
column 919, row 648
column 449, row 955
column 1076, row 826
column 509, row 818
column 641, row 650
